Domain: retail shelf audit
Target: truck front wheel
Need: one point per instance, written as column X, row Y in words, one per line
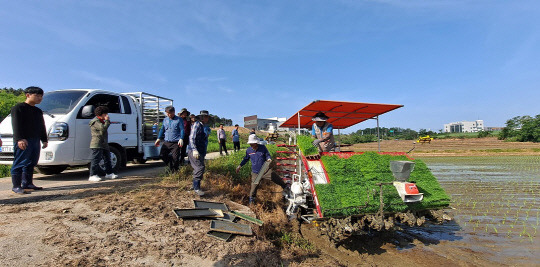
column 48, row 170
column 116, row 160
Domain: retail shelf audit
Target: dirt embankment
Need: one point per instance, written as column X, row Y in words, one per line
column 488, row 146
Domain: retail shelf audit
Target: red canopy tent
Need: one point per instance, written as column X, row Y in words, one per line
column 341, row 114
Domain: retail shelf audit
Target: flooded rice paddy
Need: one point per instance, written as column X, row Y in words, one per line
column 495, row 203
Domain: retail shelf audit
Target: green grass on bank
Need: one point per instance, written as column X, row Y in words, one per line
column 226, row 165
column 352, row 189
column 5, row 170
column 213, row 143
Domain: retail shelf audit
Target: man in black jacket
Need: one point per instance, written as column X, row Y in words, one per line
column 28, row 130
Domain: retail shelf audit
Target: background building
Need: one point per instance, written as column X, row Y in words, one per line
column 267, row 125
column 464, row 127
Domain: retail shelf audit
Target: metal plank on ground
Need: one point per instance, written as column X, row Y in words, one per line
column 220, row 235
column 197, row 213
column 247, row 218
column 210, row 205
column 230, row 227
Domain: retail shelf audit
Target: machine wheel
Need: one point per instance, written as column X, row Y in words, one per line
column 139, row 160
column 51, row 169
column 116, row 160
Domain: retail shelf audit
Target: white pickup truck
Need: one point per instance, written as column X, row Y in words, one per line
column 133, row 131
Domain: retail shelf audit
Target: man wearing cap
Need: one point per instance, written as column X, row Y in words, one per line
column 184, row 114
column 259, row 155
column 322, row 131
column 172, row 131
column 198, row 142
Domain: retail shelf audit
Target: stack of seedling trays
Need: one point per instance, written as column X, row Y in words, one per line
column 223, row 225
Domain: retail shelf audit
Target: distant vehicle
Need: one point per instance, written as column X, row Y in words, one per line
column 133, row 131
column 424, row 139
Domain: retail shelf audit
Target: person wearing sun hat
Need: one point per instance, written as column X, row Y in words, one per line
column 322, row 131
column 198, row 142
column 259, row 155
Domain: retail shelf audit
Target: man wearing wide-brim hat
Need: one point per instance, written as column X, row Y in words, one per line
column 259, row 156
column 322, row 131
column 198, row 142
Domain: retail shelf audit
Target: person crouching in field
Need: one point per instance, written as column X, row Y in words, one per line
column 100, row 145
column 259, row 155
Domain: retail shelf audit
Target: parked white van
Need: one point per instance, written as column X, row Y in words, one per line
column 133, row 131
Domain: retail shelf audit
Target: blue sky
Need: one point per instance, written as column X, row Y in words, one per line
column 445, row 60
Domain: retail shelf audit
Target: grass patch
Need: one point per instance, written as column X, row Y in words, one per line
column 5, row 170
column 352, row 189
column 286, row 238
column 213, row 143
column 227, row 165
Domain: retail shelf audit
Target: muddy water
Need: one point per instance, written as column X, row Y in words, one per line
column 496, row 207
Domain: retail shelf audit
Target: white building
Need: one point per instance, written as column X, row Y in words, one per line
column 464, row 127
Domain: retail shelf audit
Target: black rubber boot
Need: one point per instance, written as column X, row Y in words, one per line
column 28, row 182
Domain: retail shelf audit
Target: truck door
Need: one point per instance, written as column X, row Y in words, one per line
column 131, row 122
column 116, row 130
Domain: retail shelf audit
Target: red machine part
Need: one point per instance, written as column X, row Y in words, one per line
column 411, row 189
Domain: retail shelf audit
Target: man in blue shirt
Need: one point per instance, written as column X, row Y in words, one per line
column 198, row 142
column 236, row 138
column 322, row 131
column 172, row 131
column 259, row 155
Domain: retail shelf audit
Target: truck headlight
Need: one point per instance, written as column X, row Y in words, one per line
column 59, row 131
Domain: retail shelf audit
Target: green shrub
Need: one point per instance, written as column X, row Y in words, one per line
column 353, row 186
column 5, row 170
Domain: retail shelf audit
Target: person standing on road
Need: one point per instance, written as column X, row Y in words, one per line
column 236, row 138
column 99, row 144
column 172, row 131
column 28, row 130
column 184, row 114
column 259, row 155
column 322, row 131
column 222, row 138
column 198, row 142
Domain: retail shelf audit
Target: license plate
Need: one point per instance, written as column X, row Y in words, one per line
column 6, row 149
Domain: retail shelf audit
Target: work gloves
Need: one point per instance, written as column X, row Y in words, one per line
column 196, row 154
column 316, row 142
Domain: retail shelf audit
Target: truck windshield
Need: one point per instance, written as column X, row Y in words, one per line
column 60, row 102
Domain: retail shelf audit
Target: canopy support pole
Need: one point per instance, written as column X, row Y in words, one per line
column 298, row 122
column 378, row 135
column 339, row 139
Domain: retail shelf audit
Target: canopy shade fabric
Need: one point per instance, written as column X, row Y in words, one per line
column 341, row 114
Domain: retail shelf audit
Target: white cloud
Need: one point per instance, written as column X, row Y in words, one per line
column 105, row 83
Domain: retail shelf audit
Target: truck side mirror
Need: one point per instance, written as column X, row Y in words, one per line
column 87, row 112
